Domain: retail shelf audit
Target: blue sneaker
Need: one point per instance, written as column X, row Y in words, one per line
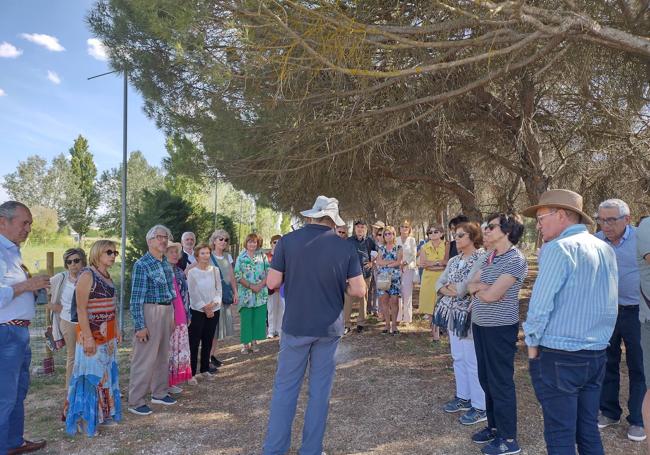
column 143, row 410
column 484, row 436
column 501, row 446
column 457, row 404
column 166, row 400
column 473, row 416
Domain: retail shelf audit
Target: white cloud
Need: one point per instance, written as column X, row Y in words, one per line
column 53, row 77
column 2, row 92
column 8, row 50
column 97, row 49
column 50, row 43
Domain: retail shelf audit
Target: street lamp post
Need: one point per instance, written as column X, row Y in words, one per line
column 123, row 193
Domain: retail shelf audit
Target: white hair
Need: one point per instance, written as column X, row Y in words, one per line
column 623, row 208
column 186, row 234
column 159, row 227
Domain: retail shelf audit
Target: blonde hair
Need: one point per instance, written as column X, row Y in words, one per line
column 97, row 249
column 390, row 229
column 218, row 233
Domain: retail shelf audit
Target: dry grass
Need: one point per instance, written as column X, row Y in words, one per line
column 386, row 400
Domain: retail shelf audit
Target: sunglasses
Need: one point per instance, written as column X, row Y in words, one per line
column 387, row 233
column 491, row 227
column 460, row 235
column 72, row 261
column 223, row 239
column 112, row 253
column 274, row 242
column 338, row 232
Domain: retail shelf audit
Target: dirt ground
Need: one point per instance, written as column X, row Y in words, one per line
column 387, row 399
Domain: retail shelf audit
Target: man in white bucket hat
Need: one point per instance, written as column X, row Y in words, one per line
column 317, row 269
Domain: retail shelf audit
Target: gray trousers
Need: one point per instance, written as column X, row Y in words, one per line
column 150, row 363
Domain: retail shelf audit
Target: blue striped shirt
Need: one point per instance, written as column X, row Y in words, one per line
column 11, row 273
column 575, row 297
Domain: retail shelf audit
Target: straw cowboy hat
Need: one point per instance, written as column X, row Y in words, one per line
column 325, row 206
column 560, row 199
column 379, row 225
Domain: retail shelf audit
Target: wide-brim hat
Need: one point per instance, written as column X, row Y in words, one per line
column 325, row 206
column 559, row 199
column 379, row 225
column 176, row 245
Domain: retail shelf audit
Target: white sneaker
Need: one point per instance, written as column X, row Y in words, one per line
column 192, row 381
column 174, row 389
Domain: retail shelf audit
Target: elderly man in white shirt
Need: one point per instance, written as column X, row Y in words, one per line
column 17, row 309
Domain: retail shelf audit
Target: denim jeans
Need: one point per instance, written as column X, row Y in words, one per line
column 295, row 353
column 627, row 330
column 567, row 385
column 495, row 358
column 15, row 357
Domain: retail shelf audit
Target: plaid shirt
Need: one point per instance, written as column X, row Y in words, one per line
column 152, row 282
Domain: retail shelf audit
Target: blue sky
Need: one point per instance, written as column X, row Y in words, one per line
column 46, row 100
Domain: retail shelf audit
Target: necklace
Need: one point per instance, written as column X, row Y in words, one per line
column 105, row 275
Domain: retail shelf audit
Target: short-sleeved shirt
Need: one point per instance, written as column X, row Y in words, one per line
column 316, row 264
column 506, row 310
column 364, row 247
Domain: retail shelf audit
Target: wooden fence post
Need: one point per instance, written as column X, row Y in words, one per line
column 48, row 357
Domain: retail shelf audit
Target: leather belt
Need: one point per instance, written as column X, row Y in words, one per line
column 17, row 323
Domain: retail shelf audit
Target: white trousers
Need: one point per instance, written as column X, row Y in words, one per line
column 405, row 313
column 275, row 312
column 468, row 386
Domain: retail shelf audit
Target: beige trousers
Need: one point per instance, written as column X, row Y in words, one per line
column 69, row 331
column 150, row 363
column 363, row 304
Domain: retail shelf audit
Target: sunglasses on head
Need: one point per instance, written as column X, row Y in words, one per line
column 72, row 261
column 112, row 253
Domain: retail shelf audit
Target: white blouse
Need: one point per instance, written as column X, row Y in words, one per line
column 409, row 251
column 204, row 287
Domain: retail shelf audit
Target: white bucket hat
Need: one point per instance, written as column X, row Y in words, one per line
column 325, row 206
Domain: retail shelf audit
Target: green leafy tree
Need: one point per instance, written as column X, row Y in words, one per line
column 140, row 176
column 26, row 183
column 163, row 207
column 45, row 226
column 34, row 183
column 82, row 198
column 285, row 224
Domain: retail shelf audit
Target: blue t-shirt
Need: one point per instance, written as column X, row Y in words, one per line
column 316, row 264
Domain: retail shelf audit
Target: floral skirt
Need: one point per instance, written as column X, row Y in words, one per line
column 94, row 391
column 179, row 356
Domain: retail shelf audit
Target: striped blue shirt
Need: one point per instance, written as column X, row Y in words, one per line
column 11, row 273
column 575, row 297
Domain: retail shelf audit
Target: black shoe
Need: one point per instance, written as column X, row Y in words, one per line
column 360, row 328
column 384, row 332
column 216, row 362
column 346, row 331
column 396, row 332
column 212, row 370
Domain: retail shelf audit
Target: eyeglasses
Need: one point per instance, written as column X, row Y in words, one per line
column 72, row 261
column 223, row 239
column 112, row 253
column 609, row 221
column 491, row 227
column 541, row 217
column 459, row 235
column 162, row 237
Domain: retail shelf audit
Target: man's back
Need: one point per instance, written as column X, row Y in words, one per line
column 316, row 264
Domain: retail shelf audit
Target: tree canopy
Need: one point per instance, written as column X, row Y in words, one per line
column 398, row 107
